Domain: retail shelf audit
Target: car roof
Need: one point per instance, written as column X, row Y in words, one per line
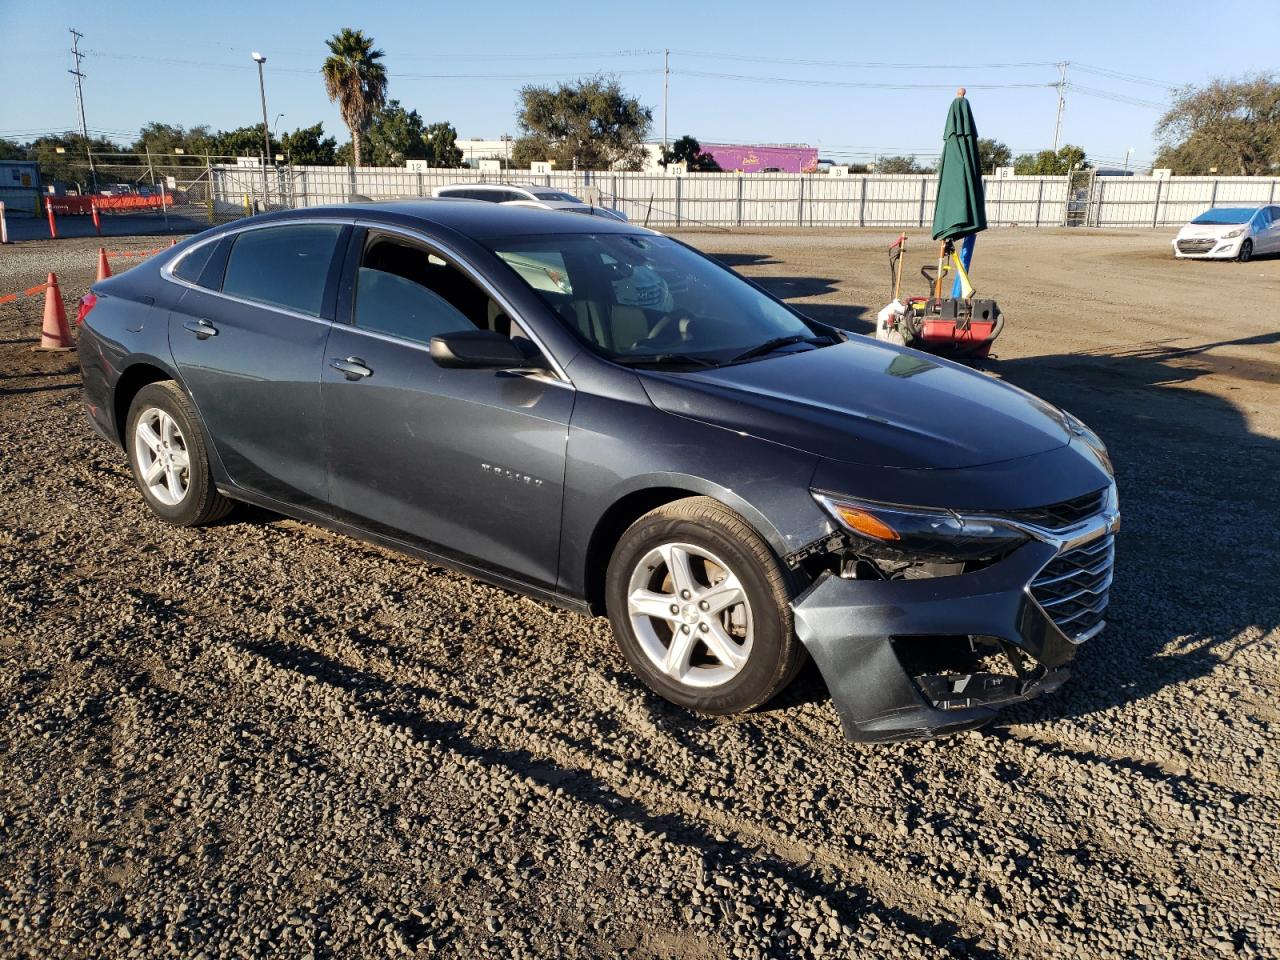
column 492, row 186
column 474, row 218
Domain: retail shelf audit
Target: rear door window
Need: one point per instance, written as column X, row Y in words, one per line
column 285, row 266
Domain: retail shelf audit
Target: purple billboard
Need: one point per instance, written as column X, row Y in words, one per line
column 783, row 159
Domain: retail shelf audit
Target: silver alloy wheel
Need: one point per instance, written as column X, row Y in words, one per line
column 164, row 463
column 690, row 614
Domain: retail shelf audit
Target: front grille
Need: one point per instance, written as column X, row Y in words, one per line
column 1195, row 246
column 1059, row 515
column 1073, row 589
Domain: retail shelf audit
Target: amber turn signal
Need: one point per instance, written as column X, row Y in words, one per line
column 865, row 523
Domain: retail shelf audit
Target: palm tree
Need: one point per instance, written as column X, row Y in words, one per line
column 355, row 79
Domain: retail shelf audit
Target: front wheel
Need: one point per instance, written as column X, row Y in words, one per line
column 1246, row 252
column 700, row 608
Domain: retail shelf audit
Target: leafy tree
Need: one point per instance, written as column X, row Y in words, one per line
column 992, row 154
column 163, row 139
column 70, row 167
column 1233, row 125
column 441, row 141
column 395, row 134
column 11, row 150
column 309, row 145
column 590, row 124
column 243, row 141
column 1046, row 163
column 689, row 151
column 356, row 81
column 898, row 165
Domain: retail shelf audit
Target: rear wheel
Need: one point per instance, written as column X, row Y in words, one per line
column 700, row 608
column 1246, row 252
column 168, row 456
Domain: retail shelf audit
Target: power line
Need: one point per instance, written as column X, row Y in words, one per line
column 205, row 64
column 1117, row 97
column 865, row 84
column 860, row 64
column 1127, row 77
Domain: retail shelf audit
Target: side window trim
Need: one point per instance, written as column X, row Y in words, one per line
column 212, row 275
column 434, row 246
column 345, row 308
column 217, row 265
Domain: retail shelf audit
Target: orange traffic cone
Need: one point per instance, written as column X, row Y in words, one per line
column 55, row 334
column 104, row 268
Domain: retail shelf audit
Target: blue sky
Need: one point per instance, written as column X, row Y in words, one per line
column 464, row 62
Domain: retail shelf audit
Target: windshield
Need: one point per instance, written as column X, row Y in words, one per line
column 1227, row 215
column 639, row 297
column 555, row 195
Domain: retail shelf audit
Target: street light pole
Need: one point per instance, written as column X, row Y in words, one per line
column 266, row 130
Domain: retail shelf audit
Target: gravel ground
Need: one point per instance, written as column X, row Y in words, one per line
column 261, row 739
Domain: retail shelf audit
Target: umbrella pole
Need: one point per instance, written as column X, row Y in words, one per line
column 942, row 259
column 902, row 259
column 966, row 257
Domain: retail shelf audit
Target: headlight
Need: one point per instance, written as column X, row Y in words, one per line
column 895, row 532
column 1090, row 439
column 1232, row 233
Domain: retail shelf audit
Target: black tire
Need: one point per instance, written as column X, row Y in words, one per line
column 1246, row 252
column 202, row 503
column 776, row 654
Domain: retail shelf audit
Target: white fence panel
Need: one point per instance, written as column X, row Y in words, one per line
column 777, row 200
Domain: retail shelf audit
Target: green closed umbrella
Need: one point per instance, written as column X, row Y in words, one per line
column 961, row 209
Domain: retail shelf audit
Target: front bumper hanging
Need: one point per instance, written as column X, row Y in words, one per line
column 881, row 645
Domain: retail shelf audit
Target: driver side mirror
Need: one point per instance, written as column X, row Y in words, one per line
column 483, row 350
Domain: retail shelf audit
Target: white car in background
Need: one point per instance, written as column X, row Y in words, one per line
column 542, row 198
column 1230, row 233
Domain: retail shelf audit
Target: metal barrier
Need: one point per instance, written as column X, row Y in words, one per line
column 212, row 191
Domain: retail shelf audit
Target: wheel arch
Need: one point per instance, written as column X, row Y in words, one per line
column 134, row 377
column 141, row 372
column 633, row 504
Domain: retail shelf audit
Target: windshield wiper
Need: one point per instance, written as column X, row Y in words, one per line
column 771, row 345
column 664, row 360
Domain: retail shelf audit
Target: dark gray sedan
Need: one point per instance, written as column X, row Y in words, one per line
column 601, row 417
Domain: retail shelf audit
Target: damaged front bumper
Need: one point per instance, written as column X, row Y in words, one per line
column 908, row 659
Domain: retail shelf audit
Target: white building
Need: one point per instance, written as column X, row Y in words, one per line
column 477, row 149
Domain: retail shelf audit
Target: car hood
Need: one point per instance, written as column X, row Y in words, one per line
column 867, row 402
column 1210, row 231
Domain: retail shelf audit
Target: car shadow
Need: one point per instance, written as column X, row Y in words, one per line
column 743, row 259
column 1200, row 515
column 854, row 317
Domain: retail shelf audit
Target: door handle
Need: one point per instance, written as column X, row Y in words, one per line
column 352, row 368
column 201, row 328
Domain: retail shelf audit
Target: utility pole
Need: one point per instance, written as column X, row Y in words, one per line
column 76, row 35
column 266, row 130
column 666, row 74
column 1062, row 102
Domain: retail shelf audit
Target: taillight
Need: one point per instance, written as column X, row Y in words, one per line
column 87, row 303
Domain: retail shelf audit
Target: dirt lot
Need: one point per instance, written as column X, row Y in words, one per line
column 261, row 739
